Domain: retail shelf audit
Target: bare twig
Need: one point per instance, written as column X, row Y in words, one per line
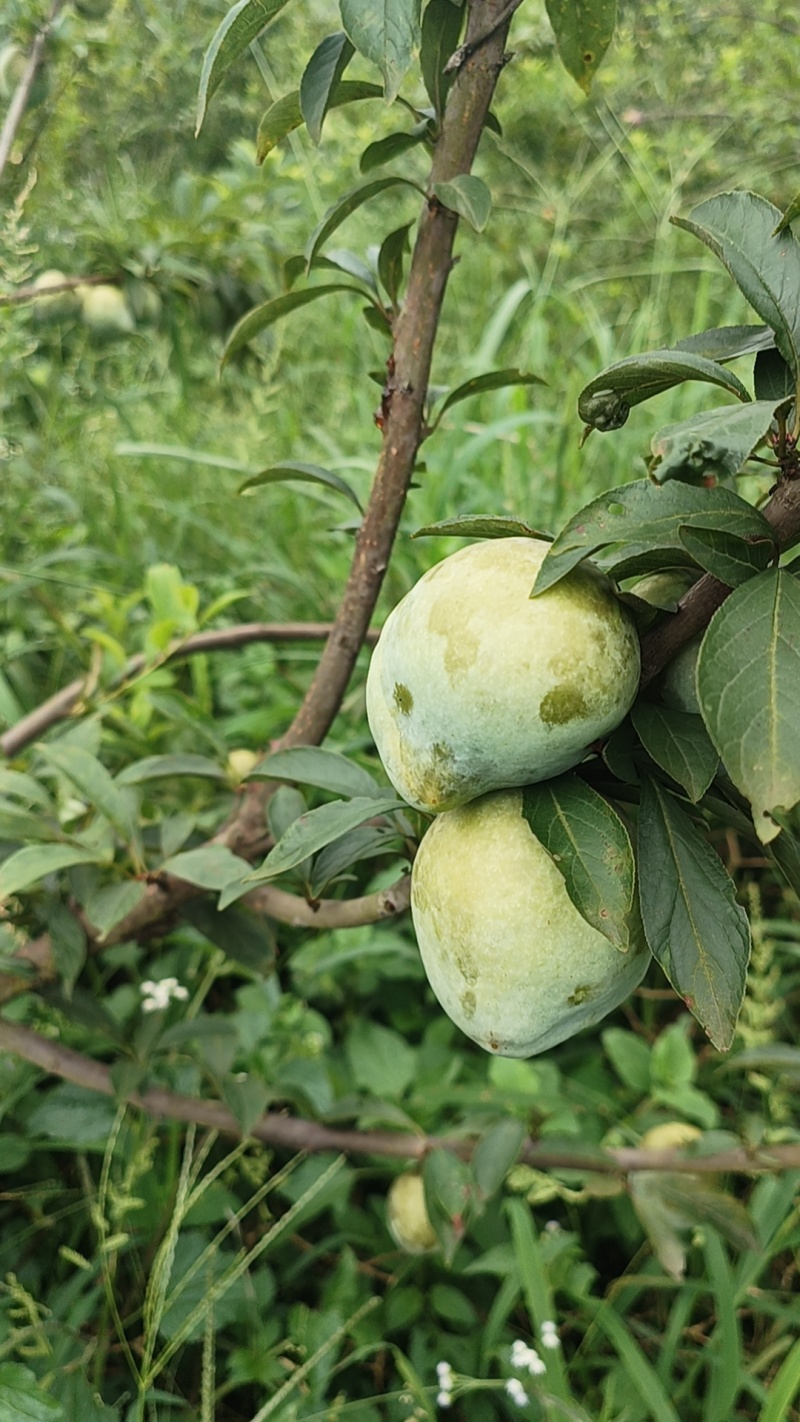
column 331, row 913
column 22, row 93
column 32, row 292
column 296, row 1134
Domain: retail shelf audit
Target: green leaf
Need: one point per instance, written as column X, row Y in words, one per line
column 269, row 312
column 94, row 783
column 183, row 452
column 110, row 904
column 350, row 203
column 68, row 943
column 478, row 526
column 448, row 1194
column 312, row 765
column 711, row 445
column 244, row 937
column 491, row 380
column 789, row 215
column 644, row 516
column 22, row 1399
column 748, row 681
column 496, row 1152
column 693, row 925
column 366, row 842
column 246, row 1099
column 740, row 228
column 679, row 743
column 441, row 31
column 320, row 79
column 724, row 343
column 772, row 378
column 382, row 1062
column 387, row 32
column 606, row 402
column 212, row 866
column 285, row 115
column 304, row 473
column 590, row 846
column 700, row 1201
column 731, row 559
column 316, row 828
column 158, row 767
column 391, row 257
column 394, row 145
column 583, row 31
column 20, row 826
column 242, row 24
column 27, row 866
column 469, row 197
column 26, row 788
column 630, row 1057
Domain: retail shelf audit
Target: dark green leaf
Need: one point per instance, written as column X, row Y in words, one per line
column 242, row 24
column 583, row 31
column 731, row 559
column 441, row 29
column 694, row 927
column 496, row 1152
column 243, row 937
column 469, row 197
column 478, row 526
column 327, row 769
column 27, row 866
column 772, row 378
column 246, row 1099
column 23, row 1399
column 647, row 516
column 711, row 445
column 740, row 228
column 391, row 257
column 269, row 312
column 212, row 866
column 380, row 1059
column 679, row 743
column 778, row 1058
column 385, row 150
column 154, row 767
column 606, row 401
column 448, row 1195
column 350, row 203
column 789, row 215
column 68, row 942
column 724, row 343
column 285, row 115
column 748, row 681
column 491, row 380
column 93, row 782
column 26, row 788
column 700, row 1201
column 363, row 843
column 589, row 843
column 313, row 830
column 387, row 32
column 110, row 904
column 302, row 473
column 20, row 826
column 320, row 79
column 630, row 1057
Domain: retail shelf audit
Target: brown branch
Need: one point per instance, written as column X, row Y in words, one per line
column 22, row 93
column 331, row 913
column 63, row 703
column 32, row 292
column 296, row 1134
column 697, row 607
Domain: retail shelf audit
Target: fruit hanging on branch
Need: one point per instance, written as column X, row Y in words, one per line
column 475, row 686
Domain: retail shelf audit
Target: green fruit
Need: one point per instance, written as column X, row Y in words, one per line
column 105, row 311
column 509, row 957
column 678, row 684
column 407, row 1215
column 666, row 588
column 54, row 308
column 474, row 685
column 670, row 1136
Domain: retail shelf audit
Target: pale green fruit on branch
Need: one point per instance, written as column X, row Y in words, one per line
column 407, row 1215
column 509, row 957
column 105, row 311
column 678, row 684
column 61, row 304
column 474, row 685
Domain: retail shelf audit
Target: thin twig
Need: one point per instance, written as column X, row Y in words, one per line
column 32, row 292
column 22, row 93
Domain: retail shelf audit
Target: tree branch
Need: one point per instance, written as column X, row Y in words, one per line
column 295, row 1134
column 32, row 292
column 22, row 93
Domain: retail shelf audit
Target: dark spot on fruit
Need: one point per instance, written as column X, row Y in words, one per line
column 403, row 699
column 468, row 1004
column 564, row 703
column 581, row 994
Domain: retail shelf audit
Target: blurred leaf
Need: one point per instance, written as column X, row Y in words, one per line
column 27, row 866
column 606, row 401
column 110, row 904
column 391, row 256
column 779, row 1057
column 591, row 849
column 694, row 927
column 313, row 765
column 320, row 79
column 731, row 559
column 17, row 825
column 313, row 830
column 128, row 448
column 630, row 1057
column 246, row 1099
column 772, row 378
column 269, row 312
column 385, row 150
column 740, row 228
column 350, row 203
column 491, row 380
column 478, row 526
column 711, row 445
column 725, row 343
column 469, row 197
column 22, row 1398
column 93, row 783
column 210, row 867
column 387, row 32
column 441, row 30
column 364, row 843
column 244, row 937
column 74, row 1114
column 583, row 31
column 242, row 24
column 789, row 215
column 156, row 767
column 679, row 743
column 26, row 788
column 382, row 1062
column 496, row 1152
column 748, row 682
column 647, row 514
column 305, row 473
column 68, row 943
column 448, row 1196
column 285, row 115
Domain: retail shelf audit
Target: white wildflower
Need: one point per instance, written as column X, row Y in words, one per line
column 444, row 1399
column 517, row 1392
column 444, row 1375
column 524, row 1357
column 549, row 1338
column 156, row 996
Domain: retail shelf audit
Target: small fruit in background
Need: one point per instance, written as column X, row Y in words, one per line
column 105, row 311
column 58, row 306
column 475, row 686
column 241, row 762
column 678, row 684
column 407, row 1215
column 509, row 957
column 672, row 1135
